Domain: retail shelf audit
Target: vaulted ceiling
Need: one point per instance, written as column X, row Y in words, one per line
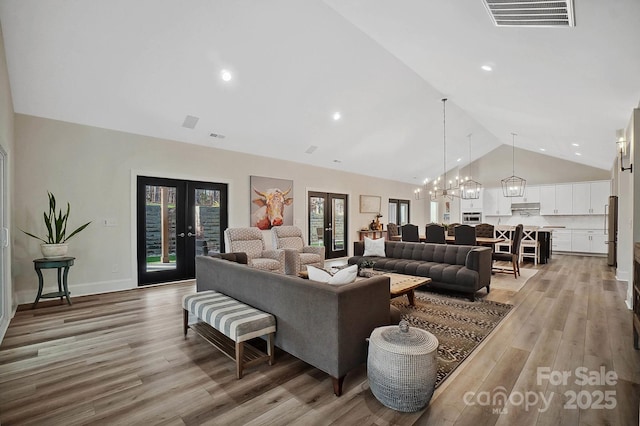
column 142, row 66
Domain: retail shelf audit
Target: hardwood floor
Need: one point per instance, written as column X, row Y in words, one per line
column 120, row 358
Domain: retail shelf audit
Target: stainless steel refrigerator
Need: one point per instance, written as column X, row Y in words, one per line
column 612, row 231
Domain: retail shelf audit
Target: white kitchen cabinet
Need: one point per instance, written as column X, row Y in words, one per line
column 588, row 241
column 531, row 195
column 556, row 199
column 496, row 204
column 590, row 197
column 581, row 198
column 473, row 205
column 561, row 240
column 599, row 243
column 600, row 192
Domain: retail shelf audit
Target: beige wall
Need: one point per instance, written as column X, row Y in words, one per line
column 94, row 169
column 535, row 167
column 7, row 145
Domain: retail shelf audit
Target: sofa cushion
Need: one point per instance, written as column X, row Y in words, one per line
column 374, row 247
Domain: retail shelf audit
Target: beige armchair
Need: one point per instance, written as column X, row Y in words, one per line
column 297, row 255
column 250, row 241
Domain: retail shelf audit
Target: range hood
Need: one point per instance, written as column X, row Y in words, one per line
column 519, row 207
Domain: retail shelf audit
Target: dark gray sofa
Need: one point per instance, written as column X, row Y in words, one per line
column 323, row 325
column 459, row 268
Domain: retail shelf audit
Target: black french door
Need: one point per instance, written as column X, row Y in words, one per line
column 177, row 221
column 328, row 223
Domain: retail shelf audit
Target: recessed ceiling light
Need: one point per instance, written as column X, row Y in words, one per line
column 575, row 144
column 459, row 160
column 542, row 149
column 578, row 154
column 225, row 75
column 487, row 67
column 337, row 116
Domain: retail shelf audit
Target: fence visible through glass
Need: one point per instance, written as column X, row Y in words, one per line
column 338, row 224
column 160, row 228
column 207, row 221
column 316, row 222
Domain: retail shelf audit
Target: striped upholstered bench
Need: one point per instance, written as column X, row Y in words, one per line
column 233, row 319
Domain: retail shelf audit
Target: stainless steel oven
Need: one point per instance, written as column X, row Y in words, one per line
column 472, row 218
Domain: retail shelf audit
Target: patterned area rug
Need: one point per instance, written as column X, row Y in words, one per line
column 459, row 324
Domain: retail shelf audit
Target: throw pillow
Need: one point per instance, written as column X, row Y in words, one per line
column 343, row 276
column 317, row 274
column 374, row 247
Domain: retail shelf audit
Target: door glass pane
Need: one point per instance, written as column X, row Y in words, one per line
column 160, row 232
column 434, row 211
column 393, row 210
column 207, row 221
column 338, row 209
column 404, row 213
column 316, row 221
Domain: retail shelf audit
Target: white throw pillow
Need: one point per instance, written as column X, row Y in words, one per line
column 317, row 274
column 374, row 247
column 343, row 276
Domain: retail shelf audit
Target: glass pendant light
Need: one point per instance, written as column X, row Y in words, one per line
column 513, row 186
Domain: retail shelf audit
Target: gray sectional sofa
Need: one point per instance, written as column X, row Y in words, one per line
column 458, row 268
column 323, row 325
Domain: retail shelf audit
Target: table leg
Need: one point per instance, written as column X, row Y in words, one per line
column 410, row 296
column 60, row 282
column 40, row 285
column 64, row 283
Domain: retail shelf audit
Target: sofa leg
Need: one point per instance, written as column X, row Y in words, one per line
column 488, row 289
column 185, row 322
column 337, row 385
column 472, row 297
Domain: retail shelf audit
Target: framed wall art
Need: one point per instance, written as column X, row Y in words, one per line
column 370, row 203
column 271, row 202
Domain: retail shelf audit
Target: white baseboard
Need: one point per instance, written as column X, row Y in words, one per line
column 84, row 289
column 622, row 275
column 4, row 324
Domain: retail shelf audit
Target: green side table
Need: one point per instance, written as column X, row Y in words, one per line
column 63, row 263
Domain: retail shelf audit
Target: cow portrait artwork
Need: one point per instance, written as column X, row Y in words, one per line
column 270, row 208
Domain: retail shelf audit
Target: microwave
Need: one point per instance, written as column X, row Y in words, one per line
column 471, row 218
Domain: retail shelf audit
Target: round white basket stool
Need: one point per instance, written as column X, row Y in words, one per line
column 402, row 366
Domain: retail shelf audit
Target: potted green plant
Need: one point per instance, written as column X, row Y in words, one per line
column 365, row 264
column 54, row 245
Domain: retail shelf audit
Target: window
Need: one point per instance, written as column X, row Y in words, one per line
column 398, row 211
column 434, row 211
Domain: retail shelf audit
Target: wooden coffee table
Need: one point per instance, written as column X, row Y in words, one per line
column 405, row 284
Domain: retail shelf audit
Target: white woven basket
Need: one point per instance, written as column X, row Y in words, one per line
column 402, row 366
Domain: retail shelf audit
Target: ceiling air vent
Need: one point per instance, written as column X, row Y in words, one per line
column 190, row 122
column 529, row 13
